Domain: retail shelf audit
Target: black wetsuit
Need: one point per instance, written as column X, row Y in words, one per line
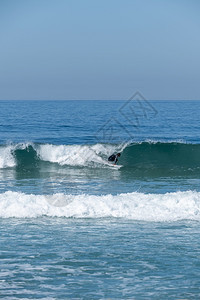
column 113, row 158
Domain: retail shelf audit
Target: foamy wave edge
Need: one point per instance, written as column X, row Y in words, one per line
column 135, row 206
column 64, row 155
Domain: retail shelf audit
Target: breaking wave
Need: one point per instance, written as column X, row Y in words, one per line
column 135, row 206
column 29, row 155
column 144, row 158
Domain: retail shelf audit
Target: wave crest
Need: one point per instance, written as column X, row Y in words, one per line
column 134, row 206
column 143, row 159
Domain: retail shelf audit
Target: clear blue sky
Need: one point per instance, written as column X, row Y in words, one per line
column 106, row 49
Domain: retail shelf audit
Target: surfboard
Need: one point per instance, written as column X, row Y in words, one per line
column 114, row 166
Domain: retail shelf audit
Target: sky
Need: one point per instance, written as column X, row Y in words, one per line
column 99, row 49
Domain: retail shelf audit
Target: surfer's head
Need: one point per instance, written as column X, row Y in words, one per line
column 118, row 154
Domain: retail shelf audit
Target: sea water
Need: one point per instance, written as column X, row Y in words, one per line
column 74, row 226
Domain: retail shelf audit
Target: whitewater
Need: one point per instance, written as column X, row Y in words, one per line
column 172, row 155
column 135, row 206
column 71, row 155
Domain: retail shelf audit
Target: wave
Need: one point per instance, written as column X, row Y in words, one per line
column 30, row 155
column 7, row 160
column 162, row 159
column 134, row 206
column 144, row 158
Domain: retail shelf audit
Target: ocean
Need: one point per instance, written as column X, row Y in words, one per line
column 73, row 225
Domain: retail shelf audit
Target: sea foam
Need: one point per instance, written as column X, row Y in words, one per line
column 78, row 155
column 64, row 155
column 134, row 206
column 7, row 160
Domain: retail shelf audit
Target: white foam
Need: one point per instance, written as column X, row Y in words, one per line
column 71, row 155
column 135, row 206
column 78, row 155
column 6, row 158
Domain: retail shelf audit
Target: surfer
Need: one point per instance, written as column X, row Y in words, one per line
column 114, row 158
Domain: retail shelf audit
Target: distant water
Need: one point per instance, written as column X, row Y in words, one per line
column 73, row 226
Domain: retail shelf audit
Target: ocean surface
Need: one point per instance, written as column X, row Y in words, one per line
column 74, row 226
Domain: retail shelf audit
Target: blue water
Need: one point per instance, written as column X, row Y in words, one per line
column 74, row 226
